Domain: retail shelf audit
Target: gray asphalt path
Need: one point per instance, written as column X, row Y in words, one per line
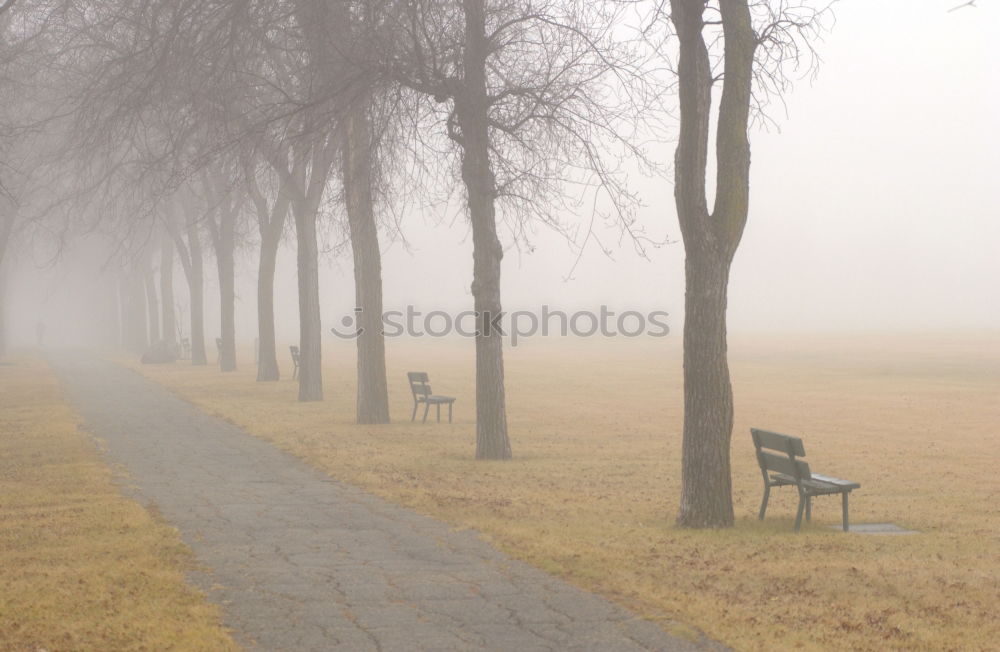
column 299, row 561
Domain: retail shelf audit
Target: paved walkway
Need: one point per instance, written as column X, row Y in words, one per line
column 301, row 562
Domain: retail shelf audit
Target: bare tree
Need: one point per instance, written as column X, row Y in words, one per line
column 221, row 221
column 271, row 218
column 357, row 171
column 287, row 126
column 357, row 95
column 254, row 112
column 755, row 42
column 313, row 155
column 530, row 92
column 265, row 79
column 308, row 191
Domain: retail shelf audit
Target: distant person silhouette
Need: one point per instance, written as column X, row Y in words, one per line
column 40, row 333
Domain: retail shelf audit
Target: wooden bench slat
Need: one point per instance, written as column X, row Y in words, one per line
column 779, row 442
column 783, row 464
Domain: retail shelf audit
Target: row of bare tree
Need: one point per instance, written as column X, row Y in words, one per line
column 174, row 126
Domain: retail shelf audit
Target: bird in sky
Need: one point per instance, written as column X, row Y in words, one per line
column 970, row 3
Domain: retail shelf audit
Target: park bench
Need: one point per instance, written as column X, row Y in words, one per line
column 420, row 386
column 295, row 361
column 778, row 456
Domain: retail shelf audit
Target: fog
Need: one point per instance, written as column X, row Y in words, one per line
column 874, row 206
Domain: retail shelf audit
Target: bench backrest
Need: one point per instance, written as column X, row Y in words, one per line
column 778, row 454
column 419, row 384
column 295, row 354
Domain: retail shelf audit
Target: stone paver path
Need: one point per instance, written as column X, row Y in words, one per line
column 301, row 562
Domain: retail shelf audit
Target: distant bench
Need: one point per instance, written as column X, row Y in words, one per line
column 779, row 464
column 421, row 388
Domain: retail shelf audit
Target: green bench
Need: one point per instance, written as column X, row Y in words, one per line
column 780, row 464
column 421, row 388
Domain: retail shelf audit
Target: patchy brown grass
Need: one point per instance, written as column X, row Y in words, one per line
column 82, row 567
column 592, row 493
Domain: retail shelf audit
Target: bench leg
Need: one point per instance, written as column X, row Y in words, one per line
column 427, row 407
column 763, row 504
column 449, row 413
column 809, row 508
column 438, row 407
column 846, row 523
column 798, row 514
column 413, row 417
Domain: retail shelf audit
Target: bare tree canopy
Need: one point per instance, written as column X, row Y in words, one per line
column 524, row 94
column 206, row 117
column 749, row 48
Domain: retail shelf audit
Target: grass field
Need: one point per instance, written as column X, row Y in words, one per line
column 82, row 567
column 592, row 492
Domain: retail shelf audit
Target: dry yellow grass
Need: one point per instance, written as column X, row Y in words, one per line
column 82, row 567
column 592, row 493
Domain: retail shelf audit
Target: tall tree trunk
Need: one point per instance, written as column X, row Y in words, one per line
column 325, row 38
column 223, row 236
column 196, row 287
column 310, row 342
column 153, row 306
column 227, row 299
column 307, row 191
column 270, row 224
column 373, row 393
column 710, row 242
column 267, row 361
column 472, row 113
column 708, row 396
column 167, row 291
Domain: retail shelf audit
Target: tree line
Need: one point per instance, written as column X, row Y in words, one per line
column 187, row 130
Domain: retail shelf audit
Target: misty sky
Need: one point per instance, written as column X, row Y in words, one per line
column 875, row 207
